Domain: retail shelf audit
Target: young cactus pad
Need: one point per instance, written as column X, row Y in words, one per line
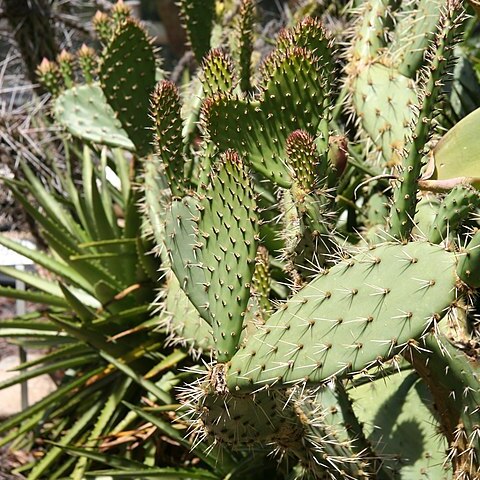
column 359, row 314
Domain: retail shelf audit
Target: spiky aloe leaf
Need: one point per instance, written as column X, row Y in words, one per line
column 166, row 108
column 84, row 112
column 359, row 314
column 127, row 77
column 198, row 16
column 292, row 97
column 212, row 248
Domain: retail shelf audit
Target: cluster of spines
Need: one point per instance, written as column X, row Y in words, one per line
column 456, row 207
column 243, row 47
column 217, row 73
column 454, row 382
column 127, row 77
column 212, row 240
column 258, row 129
column 63, row 74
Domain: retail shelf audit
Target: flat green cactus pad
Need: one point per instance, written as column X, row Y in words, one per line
column 212, row 242
column 359, row 314
column 383, row 100
column 127, row 75
column 85, row 113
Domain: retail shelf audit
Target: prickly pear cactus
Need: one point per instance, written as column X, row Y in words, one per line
column 304, row 261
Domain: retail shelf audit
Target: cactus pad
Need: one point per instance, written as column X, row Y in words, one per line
column 213, row 249
column 127, row 76
column 84, row 112
column 362, row 312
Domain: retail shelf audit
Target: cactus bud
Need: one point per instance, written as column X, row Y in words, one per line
column 49, row 75
column 102, row 25
column 66, row 64
column 120, row 12
column 88, row 62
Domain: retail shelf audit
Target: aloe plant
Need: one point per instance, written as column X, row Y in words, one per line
column 304, row 280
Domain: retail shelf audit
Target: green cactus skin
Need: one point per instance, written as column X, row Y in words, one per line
column 241, row 419
column 243, row 43
column 183, row 323
column 127, row 77
column 65, row 62
column 50, row 77
column 165, row 110
column 456, row 207
column 454, row 381
column 405, row 192
column 84, row 112
column 157, row 198
column 395, row 412
column 469, row 260
column 307, row 209
column 102, row 24
column 387, row 124
column 428, row 207
column 213, row 248
column 351, row 318
column 217, row 73
column 292, row 97
column 198, row 17
column 120, row 12
column 374, row 21
column 415, row 27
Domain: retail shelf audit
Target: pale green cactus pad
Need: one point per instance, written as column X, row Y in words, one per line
column 359, row 314
column 85, row 113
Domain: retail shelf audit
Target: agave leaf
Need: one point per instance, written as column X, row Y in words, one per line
column 168, row 473
column 50, row 368
column 71, row 434
column 35, row 297
column 52, row 265
column 85, row 313
column 49, row 400
column 118, row 391
column 138, row 378
column 203, row 450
